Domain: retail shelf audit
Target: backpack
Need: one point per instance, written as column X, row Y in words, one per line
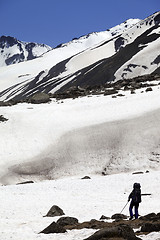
column 136, row 193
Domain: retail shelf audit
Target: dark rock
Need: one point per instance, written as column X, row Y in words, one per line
column 149, row 89
column 55, row 211
column 64, row 221
column 25, row 182
column 38, row 98
column 3, row 119
column 110, row 92
column 133, row 91
column 118, row 216
column 104, row 218
column 138, row 173
column 86, row 177
column 8, row 103
column 150, row 227
column 53, row 228
column 151, row 217
column 120, row 95
column 121, row 231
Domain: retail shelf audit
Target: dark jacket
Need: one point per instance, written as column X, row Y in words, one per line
column 135, row 195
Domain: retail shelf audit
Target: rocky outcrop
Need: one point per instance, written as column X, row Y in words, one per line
column 55, row 211
column 119, row 228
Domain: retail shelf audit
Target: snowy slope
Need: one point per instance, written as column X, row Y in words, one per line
column 14, row 51
column 122, row 54
column 66, row 141
column 27, row 71
column 100, row 134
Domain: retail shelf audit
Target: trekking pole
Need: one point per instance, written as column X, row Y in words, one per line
column 124, row 207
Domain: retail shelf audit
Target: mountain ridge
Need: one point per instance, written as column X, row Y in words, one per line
column 127, row 53
column 13, row 51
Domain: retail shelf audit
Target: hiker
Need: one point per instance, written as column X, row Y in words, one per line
column 135, row 195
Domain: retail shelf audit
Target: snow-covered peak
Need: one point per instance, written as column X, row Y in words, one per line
column 96, row 58
column 14, row 51
column 94, row 38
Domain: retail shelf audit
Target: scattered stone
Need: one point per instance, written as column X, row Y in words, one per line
column 86, row 177
column 120, row 232
column 120, row 95
column 54, row 228
column 110, row 92
column 149, row 89
column 64, row 221
column 133, row 91
column 55, row 211
column 104, row 218
column 138, row 173
column 119, row 216
column 25, row 182
column 3, row 119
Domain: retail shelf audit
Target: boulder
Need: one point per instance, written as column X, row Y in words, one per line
column 55, row 211
column 150, row 227
column 38, row 98
column 150, row 217
column 121, row 231
column 118, row 216
column 149, row 89
column 64, row 221
column 86, row 177
column 53, row 228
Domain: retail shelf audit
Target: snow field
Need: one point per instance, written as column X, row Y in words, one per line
column 23, row 206
column 50, row 140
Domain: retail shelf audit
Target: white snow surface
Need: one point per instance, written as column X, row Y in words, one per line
column 23, row 206
column 60, row 142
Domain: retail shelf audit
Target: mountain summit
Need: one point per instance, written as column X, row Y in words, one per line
column 123, row 52
column 14, row 51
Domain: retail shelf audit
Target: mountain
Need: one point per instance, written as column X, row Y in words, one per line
column 14, row 51
column 125, row 51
